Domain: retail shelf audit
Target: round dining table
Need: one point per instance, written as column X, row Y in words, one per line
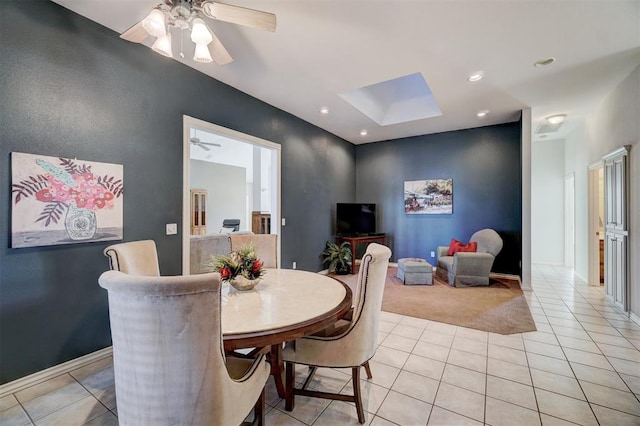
column 287, row 304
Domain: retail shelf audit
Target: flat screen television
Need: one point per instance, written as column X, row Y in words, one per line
column 355, row 218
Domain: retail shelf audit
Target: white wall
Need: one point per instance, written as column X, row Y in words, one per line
column 613, row 124
column 577, row 162
column 226, row 186
column 547, row 202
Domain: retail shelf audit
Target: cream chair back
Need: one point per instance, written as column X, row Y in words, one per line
column 357, row 344
column 266, row 246
column 135, row 258
column 351, row 348
column 168, row 356
column 363, row 333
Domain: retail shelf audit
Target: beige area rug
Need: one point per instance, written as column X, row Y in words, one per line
column 499, row 308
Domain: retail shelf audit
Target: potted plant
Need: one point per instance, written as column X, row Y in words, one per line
column 337, row 258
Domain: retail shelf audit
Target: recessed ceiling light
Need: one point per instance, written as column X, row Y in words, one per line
column 476, row 76
column 363, row 132
column 556, row 119
column 544, row 62
column 324, row 110
column 482, row 113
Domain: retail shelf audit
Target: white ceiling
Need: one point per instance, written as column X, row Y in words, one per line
column 322, row 48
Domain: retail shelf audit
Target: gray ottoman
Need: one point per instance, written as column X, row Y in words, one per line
column 415, row 271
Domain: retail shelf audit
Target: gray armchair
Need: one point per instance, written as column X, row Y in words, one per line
column 465, row 269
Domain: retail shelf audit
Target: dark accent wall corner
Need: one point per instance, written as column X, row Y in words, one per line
column 485, row 164
column 72, row 88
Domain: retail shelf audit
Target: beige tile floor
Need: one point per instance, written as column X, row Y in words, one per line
column 582, row 366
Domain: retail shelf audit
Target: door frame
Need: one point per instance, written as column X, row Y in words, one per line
column 570, row 220
column 190, row 122
column 593, row 243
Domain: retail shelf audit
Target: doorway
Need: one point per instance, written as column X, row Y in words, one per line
column 569, row 221
column 240, row 169
column 596, row 224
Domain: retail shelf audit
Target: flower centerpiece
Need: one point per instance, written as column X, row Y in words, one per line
column 241, row 268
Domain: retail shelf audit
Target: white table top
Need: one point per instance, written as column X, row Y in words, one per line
column 283, row 298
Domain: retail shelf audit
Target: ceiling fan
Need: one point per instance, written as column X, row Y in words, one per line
column 204, row 145
column 188, row 14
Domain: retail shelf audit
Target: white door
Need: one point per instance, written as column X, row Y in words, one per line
column 569, row 221
column 616, row 181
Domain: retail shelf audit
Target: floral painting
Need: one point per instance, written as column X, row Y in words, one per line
column 433, row 196
column 64, row 201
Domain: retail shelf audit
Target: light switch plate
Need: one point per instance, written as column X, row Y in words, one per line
column 172, row 228
column 284, row 221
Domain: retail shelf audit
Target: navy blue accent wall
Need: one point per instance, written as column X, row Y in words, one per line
column 485, row 166
column 72, row 88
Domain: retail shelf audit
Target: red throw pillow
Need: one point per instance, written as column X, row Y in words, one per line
column 457, row 246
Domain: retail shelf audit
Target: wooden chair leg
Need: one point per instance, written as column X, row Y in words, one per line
column 367, row 368
column 357, row 394
column 259, row 411
column 277, row 368
column 290, row 374
column 312, row 372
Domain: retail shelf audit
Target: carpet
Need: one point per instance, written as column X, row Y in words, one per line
column 499, row 308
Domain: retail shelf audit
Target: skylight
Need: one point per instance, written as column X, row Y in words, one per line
column 395, row 101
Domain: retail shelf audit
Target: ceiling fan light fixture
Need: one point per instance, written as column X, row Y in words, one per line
column 200, row 33
column 202, row 54
column 163, row 45
column 476, row 76
column 155, row 23
column 190, row 15
column 556, row 119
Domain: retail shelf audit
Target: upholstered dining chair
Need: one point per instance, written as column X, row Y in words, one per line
column 169, row 363
column 135, row 257
column 266, row 246
column 353, row 345
column 465, row 269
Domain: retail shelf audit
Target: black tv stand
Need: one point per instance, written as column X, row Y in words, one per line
column 354, row 240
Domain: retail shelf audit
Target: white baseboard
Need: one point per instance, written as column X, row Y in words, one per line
column 56, row 370
column 635, row 318
column 581, row 277
column 561, row 264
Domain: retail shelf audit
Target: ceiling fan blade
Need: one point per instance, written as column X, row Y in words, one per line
column 240, row 15
column 135, row 34
column 203, row 146
column 211, row 144
column 218, row 51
